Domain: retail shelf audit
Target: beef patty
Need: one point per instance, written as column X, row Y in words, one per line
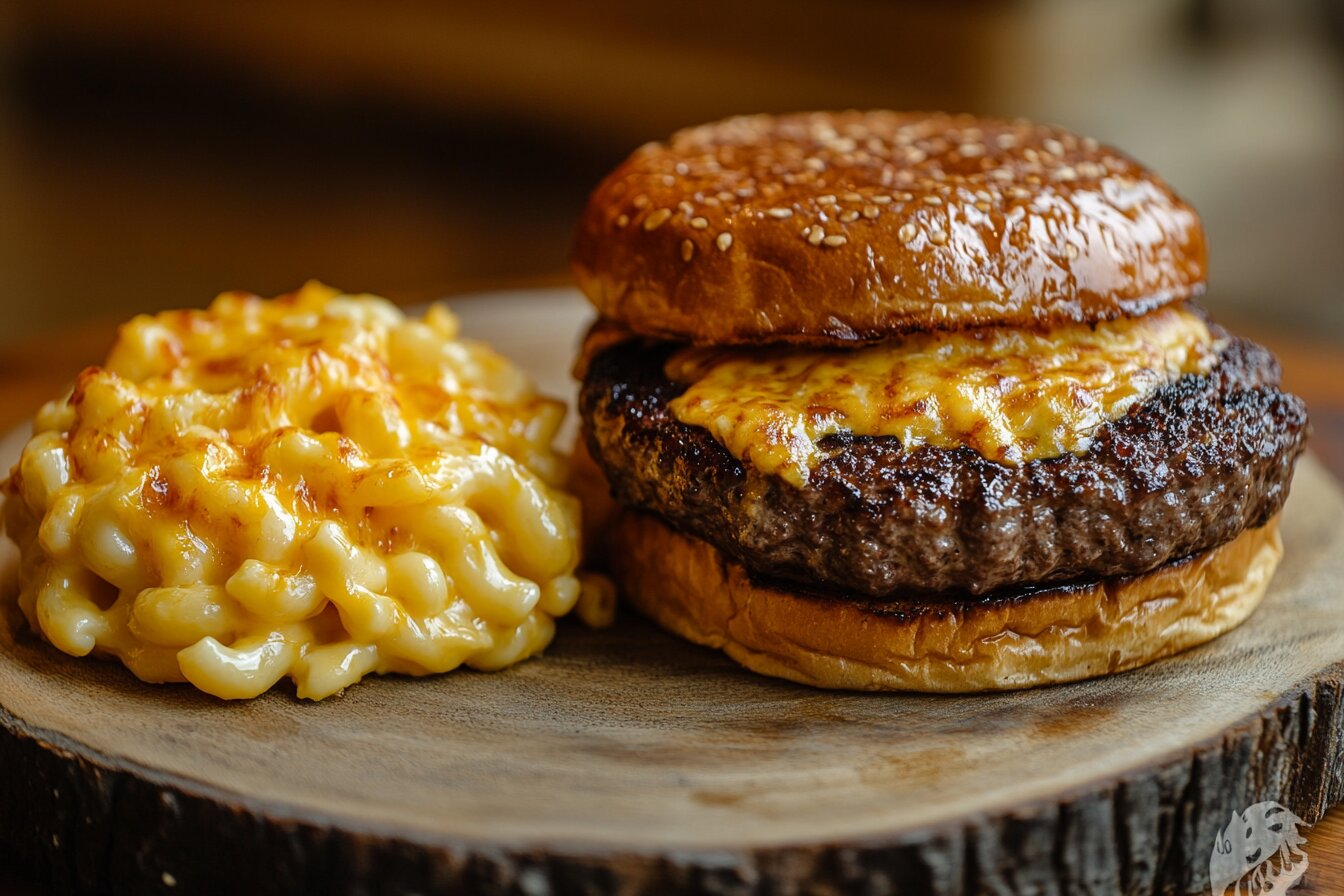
column 1201, row 460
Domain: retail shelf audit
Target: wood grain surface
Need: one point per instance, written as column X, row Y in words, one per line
column 630, row 760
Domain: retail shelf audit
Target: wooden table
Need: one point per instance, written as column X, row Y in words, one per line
column 36, row 371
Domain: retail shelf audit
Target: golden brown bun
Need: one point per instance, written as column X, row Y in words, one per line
column 832, row 228
column 1057, row 635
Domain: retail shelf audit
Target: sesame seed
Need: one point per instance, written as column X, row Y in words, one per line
column 682, row 168
column 1006, row 141
column 669, row 180
column 851, row 196
column 1065, row 173
column 1071, row 251
column 723, row 241
column 932, row 200
column 849, row 216
column 816, row 236
column 907, row 232
column 835, row 239
column 622, row 220
column 905, row 197
column 971, row 150
column 780, row 213
column 814, row 164
column 1053, row 146
column 657, row 218
column 699, row 223
column 871, row 212
column 687, row 250
column 981, row 205
column 1090, row 144
column 828, row 199
column 882, row 199
column 640, row 201
column 806, row 232
column 686, row 208
column 938, row 237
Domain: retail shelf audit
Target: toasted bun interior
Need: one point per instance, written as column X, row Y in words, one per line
column 1045, row 637
column 837, row 228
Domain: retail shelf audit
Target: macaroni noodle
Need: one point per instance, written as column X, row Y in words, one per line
column 315, row 487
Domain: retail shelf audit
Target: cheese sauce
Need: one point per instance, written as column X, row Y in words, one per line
column 315, row 487
column 1012, row 395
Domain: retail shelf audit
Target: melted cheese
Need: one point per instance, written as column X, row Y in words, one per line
column 1013, row 395
column 315, row 487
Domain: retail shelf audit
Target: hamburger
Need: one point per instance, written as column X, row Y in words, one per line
column 894, row 401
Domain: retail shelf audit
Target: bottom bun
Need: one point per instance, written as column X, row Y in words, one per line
column 995, row 642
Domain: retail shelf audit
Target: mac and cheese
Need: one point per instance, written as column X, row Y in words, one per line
column 315, row 487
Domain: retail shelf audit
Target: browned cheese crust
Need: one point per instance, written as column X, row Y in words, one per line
column 836, row 228
column 1046, row 636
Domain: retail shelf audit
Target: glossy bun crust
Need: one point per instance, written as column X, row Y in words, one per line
column 1046, row 636
column 836, row 228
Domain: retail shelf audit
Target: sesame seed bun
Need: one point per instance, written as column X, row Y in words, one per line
column 837, row 228
column 1046, row 636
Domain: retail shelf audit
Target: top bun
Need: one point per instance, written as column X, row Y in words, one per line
column 845, row 227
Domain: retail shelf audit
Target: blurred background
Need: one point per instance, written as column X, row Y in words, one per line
column 154, row 152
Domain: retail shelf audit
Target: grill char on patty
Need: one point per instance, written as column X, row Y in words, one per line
column 1201, row 460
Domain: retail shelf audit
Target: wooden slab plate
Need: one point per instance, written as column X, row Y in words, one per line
column 627, row 761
